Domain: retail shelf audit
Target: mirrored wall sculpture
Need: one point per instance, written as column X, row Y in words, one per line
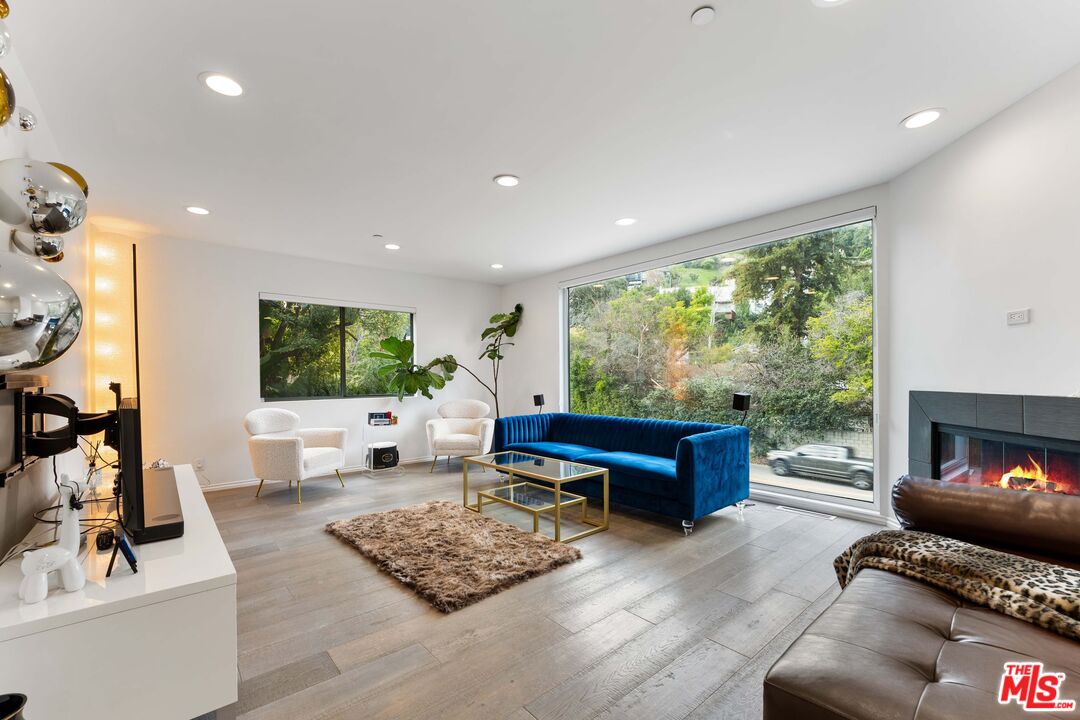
column 40, row 314
column 5, row 39
column 7, row 98
column 4, row 9
column 42, row 246
column 23, row 119
column 39, row 198
column 74, row 175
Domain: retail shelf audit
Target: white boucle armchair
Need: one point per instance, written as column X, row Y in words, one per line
column 461, row 430
column 282, row 451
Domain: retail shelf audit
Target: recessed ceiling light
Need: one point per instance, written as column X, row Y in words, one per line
column 221, row 84
column 392, row 246
column 506, row 180
column 703, row 15
column 496, row 266
column 922, row 118
column 196, row 210
column 624, row 222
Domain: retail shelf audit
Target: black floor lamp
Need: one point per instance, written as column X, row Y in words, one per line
column 538, row 401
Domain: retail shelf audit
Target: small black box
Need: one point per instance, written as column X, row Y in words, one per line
column 740, row 402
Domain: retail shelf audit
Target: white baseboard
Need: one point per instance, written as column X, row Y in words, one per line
column 248, row 482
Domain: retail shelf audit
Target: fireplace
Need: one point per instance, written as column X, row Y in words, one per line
column 1013, row 442
column 1005, row 461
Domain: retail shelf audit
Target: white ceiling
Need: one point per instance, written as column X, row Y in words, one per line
column 391, row 117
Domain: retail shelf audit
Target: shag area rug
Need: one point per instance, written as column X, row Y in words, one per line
column 449, row 555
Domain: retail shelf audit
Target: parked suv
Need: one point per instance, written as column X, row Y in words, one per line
column 828, row 462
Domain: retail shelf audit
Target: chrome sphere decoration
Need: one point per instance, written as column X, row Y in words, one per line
column 74, row 175
column 45, row 313
column 23, row 119
column 39, row 198
column 41, row 246
column 5, row 39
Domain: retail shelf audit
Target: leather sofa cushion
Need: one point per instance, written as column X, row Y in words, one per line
column 558, row 450
column 892, row 648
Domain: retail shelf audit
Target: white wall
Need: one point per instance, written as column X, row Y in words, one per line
column 986, row 225
column 34, row 490
column 199, row 339
column 989, row 224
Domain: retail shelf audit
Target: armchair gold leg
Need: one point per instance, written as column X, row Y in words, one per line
column 260, row 488
column 433, row 461
column 339, row 478
column 298, row 500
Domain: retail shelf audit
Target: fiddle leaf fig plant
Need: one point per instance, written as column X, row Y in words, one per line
column 405, row 377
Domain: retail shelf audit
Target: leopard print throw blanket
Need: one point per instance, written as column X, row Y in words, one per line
column 1036, row 592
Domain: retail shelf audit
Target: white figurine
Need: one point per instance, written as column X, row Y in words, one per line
column 36, row 566
column 64, row 556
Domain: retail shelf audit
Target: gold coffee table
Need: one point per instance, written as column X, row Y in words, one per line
column 534, row 497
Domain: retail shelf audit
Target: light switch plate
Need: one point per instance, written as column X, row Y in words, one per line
column 1018, row 317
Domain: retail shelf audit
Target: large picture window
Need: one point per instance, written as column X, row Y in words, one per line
column 311, row 350
column 789, row 321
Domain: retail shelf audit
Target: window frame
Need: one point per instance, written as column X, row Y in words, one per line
column 341, row 305
column 767, row 493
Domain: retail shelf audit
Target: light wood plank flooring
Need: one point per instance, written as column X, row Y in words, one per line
column 650, row 624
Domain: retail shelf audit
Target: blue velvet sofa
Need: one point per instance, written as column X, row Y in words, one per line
column 679, row 469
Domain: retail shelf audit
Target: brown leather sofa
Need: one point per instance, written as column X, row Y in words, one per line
column 893, row 648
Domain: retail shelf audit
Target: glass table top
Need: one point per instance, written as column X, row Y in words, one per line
column 531, row 496
column 526, row 464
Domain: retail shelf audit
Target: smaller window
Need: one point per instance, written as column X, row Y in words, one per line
column 311, row 350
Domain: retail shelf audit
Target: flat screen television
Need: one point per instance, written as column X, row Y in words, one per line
column 149, row 501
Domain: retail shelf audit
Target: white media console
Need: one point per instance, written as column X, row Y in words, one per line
column 159, row 644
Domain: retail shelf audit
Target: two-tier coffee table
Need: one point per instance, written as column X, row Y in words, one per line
column 534, row 497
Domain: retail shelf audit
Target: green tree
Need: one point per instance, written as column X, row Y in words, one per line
column 793, row 279
column 843, row 337
column 299, row 349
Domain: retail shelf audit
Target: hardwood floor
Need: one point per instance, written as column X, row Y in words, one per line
column 649, row 624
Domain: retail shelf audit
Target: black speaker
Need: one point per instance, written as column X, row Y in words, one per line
column 740, row 402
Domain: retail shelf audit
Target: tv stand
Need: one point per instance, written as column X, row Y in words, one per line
column 166, row 636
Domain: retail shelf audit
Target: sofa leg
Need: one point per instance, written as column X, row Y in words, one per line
column 740, row 506
column 340, row 480
column 688, row 526
column 260, row 488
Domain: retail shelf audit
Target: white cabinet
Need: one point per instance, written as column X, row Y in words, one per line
column 160, row 643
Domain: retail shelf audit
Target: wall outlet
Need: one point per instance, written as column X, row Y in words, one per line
column 1018, row 317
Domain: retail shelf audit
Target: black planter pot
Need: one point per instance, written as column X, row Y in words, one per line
column 11, row 706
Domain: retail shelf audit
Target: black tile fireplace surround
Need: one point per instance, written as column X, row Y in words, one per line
column 1002, row 440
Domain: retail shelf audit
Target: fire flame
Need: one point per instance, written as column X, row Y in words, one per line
column 1036, row 478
